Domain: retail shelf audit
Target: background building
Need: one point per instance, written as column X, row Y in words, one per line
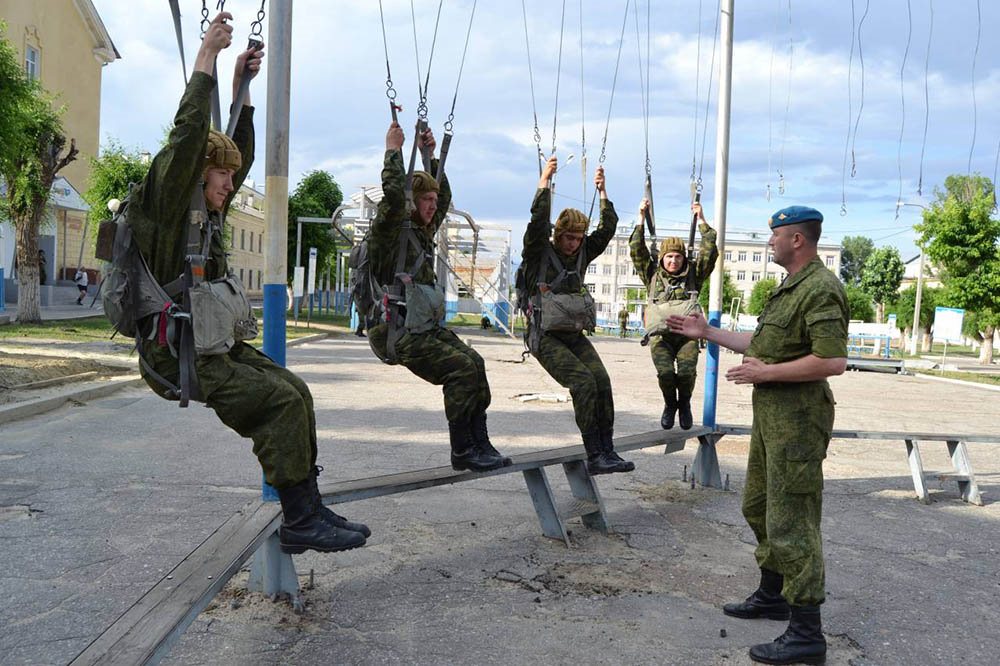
column 245, row 224
column 64, row 45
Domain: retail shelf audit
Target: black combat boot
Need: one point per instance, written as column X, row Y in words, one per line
column 766, row 601
column 333, row 518
column 304, row 528
column 608, row 445
column 482, row 438
column 802, row 642
column 669, row 409
column 601, row 457
column 465, row 452
column 684, row 412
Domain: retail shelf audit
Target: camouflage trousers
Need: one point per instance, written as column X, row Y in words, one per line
column 573, row 362
column 667, row 350
column 622, row 329
column 783, row 497
column 257, row 398
column 439, row 357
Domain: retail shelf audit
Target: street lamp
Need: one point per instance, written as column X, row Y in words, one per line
column 920, row 289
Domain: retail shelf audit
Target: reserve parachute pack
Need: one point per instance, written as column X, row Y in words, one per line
column 190, row 316
column 403, row 305
column 661, row 305
column 551, row 310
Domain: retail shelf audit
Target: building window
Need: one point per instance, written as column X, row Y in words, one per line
column 243, row 239
column 31, row 62
column 770, row 257
column 634, row 272
column 250, row 277
column 605, row 289
column 768, row 275
column 622, row 270
column 728, row 256
column 232, row 238
column 741, row 275
column 251, row 241
column 241, row 275
column 829, row 260
column 755, row 277
column 742, row 255
column 757, row 256
column 607, row 269
column 258, row 278
column 622, row 250
column 260, row 243
column 592, row 269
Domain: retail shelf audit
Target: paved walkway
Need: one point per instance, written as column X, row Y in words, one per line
column 99, row 500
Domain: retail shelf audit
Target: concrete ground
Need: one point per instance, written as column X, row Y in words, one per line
column 100, row 499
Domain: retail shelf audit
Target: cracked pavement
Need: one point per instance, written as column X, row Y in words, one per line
column 118, row 490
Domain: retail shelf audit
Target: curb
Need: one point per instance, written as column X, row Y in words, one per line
column 23, row 410
column 960, row 382
column 307, row 339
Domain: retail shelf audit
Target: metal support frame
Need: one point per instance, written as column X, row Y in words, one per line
column 273, row 574
column 705, row 468
column 967, row 487
column 545, row 504
column 583, row 487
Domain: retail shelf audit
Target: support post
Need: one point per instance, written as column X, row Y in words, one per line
column 706, row 463
column 963, row 472
column 545, row 504
column 721, row 190
column 582, row 485
column 917, row 471
column 279, row 28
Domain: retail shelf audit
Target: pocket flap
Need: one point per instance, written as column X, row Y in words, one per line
column 823, row 315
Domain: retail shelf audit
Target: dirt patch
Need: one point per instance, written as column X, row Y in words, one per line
column 19, row 370
column 672, row 491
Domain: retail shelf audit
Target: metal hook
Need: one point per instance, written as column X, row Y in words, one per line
column 781, row 183
column 843, row 209
column 767, row 193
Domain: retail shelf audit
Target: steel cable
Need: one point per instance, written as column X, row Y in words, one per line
column 927, row 99
column 975, row 56
column 850, row 115
column 861, row 102
column 902, row 106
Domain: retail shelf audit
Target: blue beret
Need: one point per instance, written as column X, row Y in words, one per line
column 794, row 215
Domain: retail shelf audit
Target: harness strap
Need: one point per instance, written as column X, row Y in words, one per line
column 558, row 265
column 173, row 389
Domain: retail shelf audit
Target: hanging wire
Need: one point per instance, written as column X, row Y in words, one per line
column 708, row 98
column 416, row 53
column 390, row 92
column 583, row 109
column 531, row 82
column 770, row 88
column 449, row 124
column 927, row 99
column 643, row 84
column 861, row 103
column 611, row 101
column 788, row 103
column 649, row 75
column 996, row 162
column 422, row 106
column 850, row 114
column 975, row 55
column 555, row 111
column 205, row 22
column 902, row 106
column 697, row 99
column 257, row 27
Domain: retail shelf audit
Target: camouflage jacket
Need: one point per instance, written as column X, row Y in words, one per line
column 536, row 238
column 655, row 276
column 806, row 314
column 158, row 207
column 383, row 242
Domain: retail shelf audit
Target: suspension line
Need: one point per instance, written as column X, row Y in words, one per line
column 788, row 103
column 927, row 99
column 902, row 106
column 850, row 115
column 531, row 81
column 390, row 91
column 697, row 101
column 555, row 112
column 975, row 56
column 583, row 109
column 770, row 96
column 449, row 123
column 708, row 98
column 861, row 102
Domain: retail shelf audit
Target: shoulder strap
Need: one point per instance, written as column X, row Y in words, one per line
column 563, row 271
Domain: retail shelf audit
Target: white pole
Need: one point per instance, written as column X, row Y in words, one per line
column 915, row 329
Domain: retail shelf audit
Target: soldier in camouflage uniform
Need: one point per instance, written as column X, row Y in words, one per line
column 435, row 355
column 623, row 322
column 567, row 356
column 801, row 339
column 667, row 280
column 250, row 393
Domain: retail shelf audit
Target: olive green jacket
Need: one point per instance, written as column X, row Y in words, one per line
column 536, row 238
column 383, row 242
column 806, row 314
column 158, row 207
column 656, row 277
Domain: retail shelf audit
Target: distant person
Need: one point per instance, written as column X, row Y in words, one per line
column 485, row 323
column 81, row 281
column 623, row 323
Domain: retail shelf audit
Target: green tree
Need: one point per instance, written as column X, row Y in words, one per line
column 960, row 235
column 860, row 304
column 15, row 92
column 854, row 252
column 729, row 292
column 317, row 195
column 110, row 177
column 758, row 297
column 881, row 277
column 29, row 164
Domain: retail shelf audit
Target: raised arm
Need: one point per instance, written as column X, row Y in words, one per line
column 708, row 251
column 537, row 233
column 444, row 193
column 644, row 264
column 598, row 240
column 391, row 211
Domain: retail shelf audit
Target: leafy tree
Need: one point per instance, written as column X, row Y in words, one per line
column 29, row 164
column 110, row 177
column 903, row 307
column 729, row 292
column 15, row 92
column 961, row 236
column 317, row 195
column 854, row 252
column 860, row 304
column 761, row 292
column 881, row 277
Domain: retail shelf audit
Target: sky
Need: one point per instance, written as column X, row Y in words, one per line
column 793, row 110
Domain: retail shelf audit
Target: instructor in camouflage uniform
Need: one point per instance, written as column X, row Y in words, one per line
column 567, row 356
column 801, row 339
column 250, row 393
column 667, row 280
column 435, row 355
column 623, row 322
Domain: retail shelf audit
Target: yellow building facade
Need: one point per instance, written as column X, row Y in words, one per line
column 245, row 222
column 65, row 46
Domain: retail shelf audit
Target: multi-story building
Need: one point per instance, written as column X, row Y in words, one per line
column 64, row 45
column 613, row 281
column 245, row 228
